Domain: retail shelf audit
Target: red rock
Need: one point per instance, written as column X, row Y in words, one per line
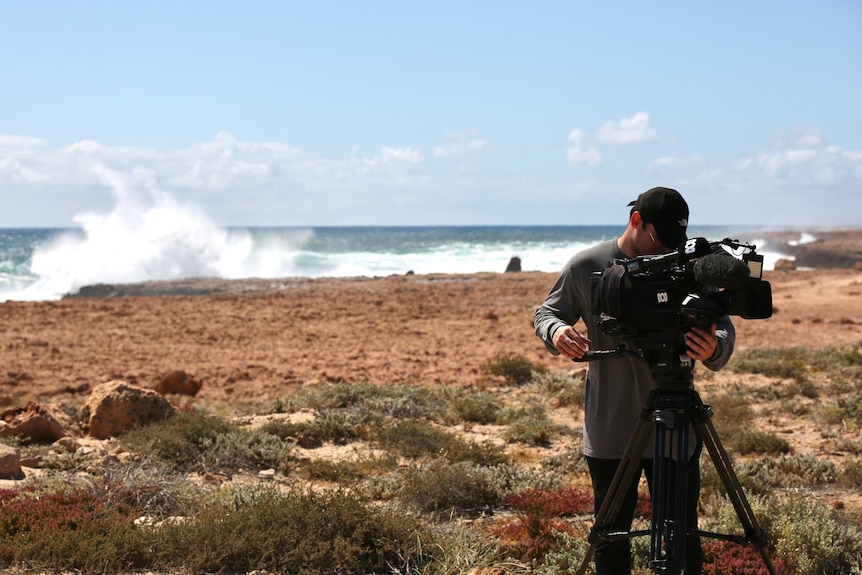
column 180, row 383
column 116, row 406
column 10, row 463
column 41, row 423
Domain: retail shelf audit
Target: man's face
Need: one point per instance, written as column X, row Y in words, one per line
column 648, row 242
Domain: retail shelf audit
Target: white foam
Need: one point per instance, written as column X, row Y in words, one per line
column 149, row 238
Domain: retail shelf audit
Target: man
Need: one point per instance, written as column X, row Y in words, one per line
column 618, row 389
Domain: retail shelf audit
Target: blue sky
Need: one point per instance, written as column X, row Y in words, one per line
column 439, row 113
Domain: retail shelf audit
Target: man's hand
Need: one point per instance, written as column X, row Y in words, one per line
column 570, row 343
column 701, row 343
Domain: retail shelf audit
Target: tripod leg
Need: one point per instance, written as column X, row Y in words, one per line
column 753, row 532
column 668, row 533
column 626, row 472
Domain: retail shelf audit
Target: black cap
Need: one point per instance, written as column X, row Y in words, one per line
column 667, row 211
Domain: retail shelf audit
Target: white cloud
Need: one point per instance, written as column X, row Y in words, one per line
column 460, row 144
column 408, row 155
column 804, row 167
column 579, row 153
column 12, row 141
column 627, row 131
column 224, row 173
column 799, row 138
column 669, row 162
column 240, row 182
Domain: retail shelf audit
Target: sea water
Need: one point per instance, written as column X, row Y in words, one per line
column 46, row 264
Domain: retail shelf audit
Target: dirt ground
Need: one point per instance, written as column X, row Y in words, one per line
column 251, row 341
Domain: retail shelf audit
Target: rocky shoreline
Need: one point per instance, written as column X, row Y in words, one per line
column 827, row 249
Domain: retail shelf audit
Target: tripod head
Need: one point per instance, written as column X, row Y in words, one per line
column 665, row 353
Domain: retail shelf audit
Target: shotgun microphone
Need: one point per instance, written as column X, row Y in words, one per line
column 721, row 270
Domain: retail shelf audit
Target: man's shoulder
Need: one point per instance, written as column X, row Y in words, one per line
column 597, row 256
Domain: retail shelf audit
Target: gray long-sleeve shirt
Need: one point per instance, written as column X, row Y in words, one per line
column 617, row 389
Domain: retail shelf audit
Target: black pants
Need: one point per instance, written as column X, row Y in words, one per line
column 614, row 558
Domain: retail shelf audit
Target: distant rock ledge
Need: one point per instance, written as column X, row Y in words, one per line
column 840, row 248
column 187, row 287
column 837, row 248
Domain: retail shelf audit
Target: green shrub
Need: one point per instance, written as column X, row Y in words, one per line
column 479, row 408
column 813, row 538
column 241, row 449
column 349, row 471
column 835, row 365
column 192, row 440
column 531, row 426
column 302, row 533
column 333, row 425
column 797, row 470
column 443, row 486
column 415, row 439
column 569, row 463
column 513, row 368
column 732, row 415
column 851, row 406
column 373, row 401
column 753, row 441
column 851, row 474
column 564, row 390
column 778, row 363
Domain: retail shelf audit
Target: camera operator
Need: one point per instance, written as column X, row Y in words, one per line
column 618, row 389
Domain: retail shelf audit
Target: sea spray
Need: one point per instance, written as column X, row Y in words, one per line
column 144, row 239
column 149, row 236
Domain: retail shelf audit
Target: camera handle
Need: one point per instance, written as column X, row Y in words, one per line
column 619, row 351
column 674, row 411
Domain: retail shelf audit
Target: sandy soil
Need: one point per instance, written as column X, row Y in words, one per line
column 250, row 341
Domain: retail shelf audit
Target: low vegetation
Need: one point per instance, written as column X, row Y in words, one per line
column 356, row 478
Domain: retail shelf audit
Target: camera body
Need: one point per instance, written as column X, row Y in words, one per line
column 692, row 286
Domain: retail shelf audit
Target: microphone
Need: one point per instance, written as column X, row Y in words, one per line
column 692, row 249
column 721, row 270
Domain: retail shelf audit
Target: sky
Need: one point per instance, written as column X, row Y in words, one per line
column 340, row 113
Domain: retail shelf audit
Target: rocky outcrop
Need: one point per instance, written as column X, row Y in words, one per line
column 117, row 406
column 40, row 423
column 10, row 463
column 178, row 383
column 514, row 264
column 816, row 249
column 783, row 265
column 833, row 252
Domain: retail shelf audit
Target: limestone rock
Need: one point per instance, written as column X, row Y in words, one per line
column 117, row 406
column 179, row 382
column 785, row 265
column 514, row 264
column 835, row 250
column 69, row 444
column 10, row 463
column 41, row 423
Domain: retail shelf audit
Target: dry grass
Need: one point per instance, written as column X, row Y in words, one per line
column 359, row 478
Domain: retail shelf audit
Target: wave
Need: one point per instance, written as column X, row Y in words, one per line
column 161, row 239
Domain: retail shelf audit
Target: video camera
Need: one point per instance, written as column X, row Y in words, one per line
column 694, row 285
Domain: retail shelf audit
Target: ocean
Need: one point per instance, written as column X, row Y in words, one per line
column 46, row 264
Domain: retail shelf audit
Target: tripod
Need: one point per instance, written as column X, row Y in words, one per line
column 675, row 409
